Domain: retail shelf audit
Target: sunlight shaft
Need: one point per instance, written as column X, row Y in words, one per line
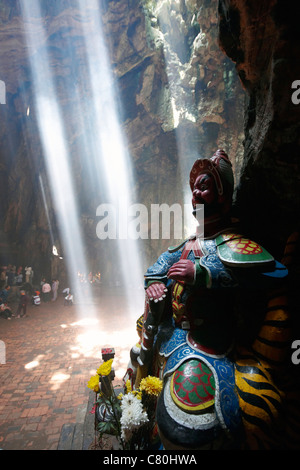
column 111, row 160
column 55, row 146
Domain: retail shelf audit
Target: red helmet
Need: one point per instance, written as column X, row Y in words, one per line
column 219, row 166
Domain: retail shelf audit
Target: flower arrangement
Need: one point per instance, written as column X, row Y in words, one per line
column 130, row 416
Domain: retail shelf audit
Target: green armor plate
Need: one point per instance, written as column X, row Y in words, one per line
column 193, row 386
column 234, row 249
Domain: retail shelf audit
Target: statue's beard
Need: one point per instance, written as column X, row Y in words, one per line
column 210, row 218
column 207, row 211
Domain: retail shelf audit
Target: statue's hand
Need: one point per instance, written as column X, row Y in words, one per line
column 183, row 270
column 156, row 291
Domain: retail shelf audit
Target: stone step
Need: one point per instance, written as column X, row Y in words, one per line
column 66, row 437
column 79, row 435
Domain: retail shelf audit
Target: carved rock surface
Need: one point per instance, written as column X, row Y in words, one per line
column 263, row 41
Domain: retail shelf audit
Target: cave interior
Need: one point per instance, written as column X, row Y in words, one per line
column 183, row 78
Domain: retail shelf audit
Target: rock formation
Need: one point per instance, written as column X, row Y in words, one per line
column 262, row 40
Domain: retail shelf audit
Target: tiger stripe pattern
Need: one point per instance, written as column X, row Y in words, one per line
column 260, row 402
column 273, row 338
column 269, row 410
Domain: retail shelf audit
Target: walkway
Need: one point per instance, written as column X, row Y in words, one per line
column 50, row 356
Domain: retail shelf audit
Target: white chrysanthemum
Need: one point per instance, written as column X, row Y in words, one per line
column 133, row 415
column 127, row 400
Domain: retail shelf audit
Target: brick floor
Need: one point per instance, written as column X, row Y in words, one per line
column 50, row 355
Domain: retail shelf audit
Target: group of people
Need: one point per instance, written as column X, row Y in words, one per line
column 27, row 293
column 48, row 289
column 13, row 276
column 5, row 309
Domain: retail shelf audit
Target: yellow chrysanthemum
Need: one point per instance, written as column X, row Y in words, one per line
column 93, row 383
column 105, row 368
column 128, row 386
column 151, row 385
column 137, row 394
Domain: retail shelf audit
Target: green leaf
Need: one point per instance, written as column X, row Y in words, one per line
column 107, row 427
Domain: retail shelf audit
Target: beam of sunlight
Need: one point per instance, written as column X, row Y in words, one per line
column 55, row 147
column 91, row 339
column 187, row 150
column 111, row 160
column 63, row 192
column 34, row 363
column 57, row 379
column 121, row 340
column 86, row 322
column 46, row 208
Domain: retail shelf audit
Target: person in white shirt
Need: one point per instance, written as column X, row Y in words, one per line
column 46, row 290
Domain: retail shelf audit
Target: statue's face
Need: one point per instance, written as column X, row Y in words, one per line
column 205, row 191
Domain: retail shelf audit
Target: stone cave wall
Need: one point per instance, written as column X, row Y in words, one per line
column 262, row 40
